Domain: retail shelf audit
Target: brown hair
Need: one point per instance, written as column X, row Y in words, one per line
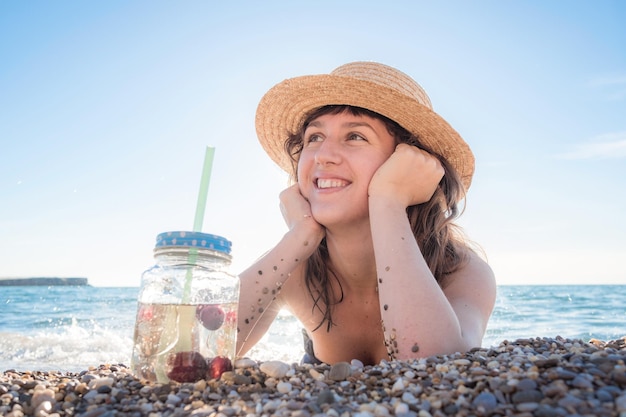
column 441, row 242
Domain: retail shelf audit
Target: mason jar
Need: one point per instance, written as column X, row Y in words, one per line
column 186, row 323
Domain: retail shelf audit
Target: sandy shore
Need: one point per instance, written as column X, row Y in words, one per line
column 542, row 377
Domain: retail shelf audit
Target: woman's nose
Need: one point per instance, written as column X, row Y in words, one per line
column 327, row 153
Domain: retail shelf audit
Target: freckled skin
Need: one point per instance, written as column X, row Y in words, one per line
column 392, row 345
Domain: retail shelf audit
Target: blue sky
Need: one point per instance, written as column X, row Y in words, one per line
column 106, row 109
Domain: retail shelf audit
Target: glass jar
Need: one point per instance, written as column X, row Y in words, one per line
column 186, row 324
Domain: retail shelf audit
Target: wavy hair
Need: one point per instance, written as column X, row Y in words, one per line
column 440, row 240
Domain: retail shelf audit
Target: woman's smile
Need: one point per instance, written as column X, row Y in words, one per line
column 331, row 183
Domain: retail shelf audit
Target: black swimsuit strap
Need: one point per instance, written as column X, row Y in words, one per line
column 309, row 355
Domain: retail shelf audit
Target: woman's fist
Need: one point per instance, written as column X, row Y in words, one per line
column 410, row 176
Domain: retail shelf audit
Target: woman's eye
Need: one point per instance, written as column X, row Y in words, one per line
column 356, row 136
column 313, row 138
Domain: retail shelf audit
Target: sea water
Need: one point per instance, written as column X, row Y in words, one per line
column 74, row 328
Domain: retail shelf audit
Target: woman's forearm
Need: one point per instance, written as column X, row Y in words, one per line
column 261, row 284
column 417, row 318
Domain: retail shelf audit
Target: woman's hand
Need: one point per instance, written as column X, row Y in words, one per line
column 296, row 211
column 410, row 176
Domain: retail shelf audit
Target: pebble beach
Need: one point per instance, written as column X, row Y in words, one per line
column 545, row 377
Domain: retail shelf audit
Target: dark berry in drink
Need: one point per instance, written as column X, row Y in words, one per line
column 217, row 366
column 186, row 367
column 211, row 316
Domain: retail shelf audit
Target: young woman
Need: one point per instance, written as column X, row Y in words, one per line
column 372, row 264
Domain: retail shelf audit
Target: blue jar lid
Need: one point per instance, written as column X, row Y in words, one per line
column 193, row 240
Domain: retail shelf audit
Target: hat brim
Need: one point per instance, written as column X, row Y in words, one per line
column 284, row 107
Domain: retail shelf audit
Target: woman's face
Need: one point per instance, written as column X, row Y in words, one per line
column 341, row 152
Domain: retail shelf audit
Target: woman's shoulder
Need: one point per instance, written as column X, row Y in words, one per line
column 477, row 264
column 474, row 272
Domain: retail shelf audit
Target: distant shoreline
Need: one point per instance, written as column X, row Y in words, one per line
column 42, row 281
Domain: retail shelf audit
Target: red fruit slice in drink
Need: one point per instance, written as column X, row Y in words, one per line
column 186, row 367
column 217, row 366
column 211, row 316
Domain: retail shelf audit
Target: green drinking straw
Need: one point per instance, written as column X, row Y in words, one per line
column 204, row 188
column 200, row 206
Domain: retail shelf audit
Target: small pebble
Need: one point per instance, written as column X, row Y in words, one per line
column 42, row 395
column 326, row 397
column 581, row 382
column 409, row 398
column 398, row 386
column 43, row 409
column 283, row 387
column 485, row 403
column 528, row 396
column 356, row 364
column 173, row 400
column 275, row 369
column 527, row 407
column 340, row 371
column 99, row 382
column 315, row 374
column 401, row 408
column 244, row 363
column 620, row 403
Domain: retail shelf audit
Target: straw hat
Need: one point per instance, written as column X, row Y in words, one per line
column 369, row 85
